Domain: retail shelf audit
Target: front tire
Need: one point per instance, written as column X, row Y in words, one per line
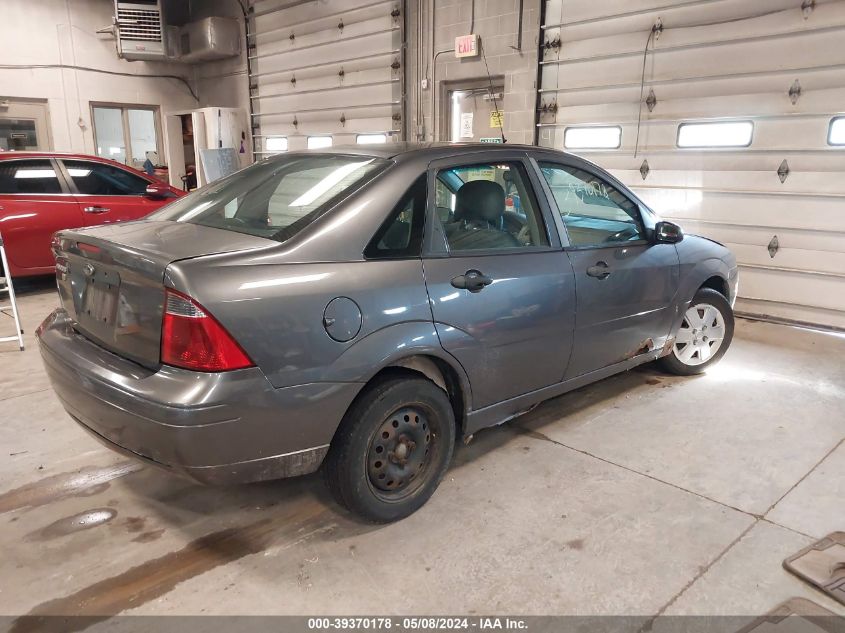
column 704, row 336
column 391, row 449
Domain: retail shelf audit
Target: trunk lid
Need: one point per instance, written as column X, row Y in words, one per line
column 111, row 278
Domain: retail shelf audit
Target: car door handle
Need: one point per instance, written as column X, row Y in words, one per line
column 600, row 271
column 472, row 280
column 96, row 209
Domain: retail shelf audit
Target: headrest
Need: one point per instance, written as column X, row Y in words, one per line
column 480, row 200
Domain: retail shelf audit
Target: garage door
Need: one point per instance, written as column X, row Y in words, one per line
column 723, row 118
column 327, row 72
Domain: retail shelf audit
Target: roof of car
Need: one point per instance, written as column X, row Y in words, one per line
column 386, row 150
column 17, row 155
column 44, row 154
column 426, row 151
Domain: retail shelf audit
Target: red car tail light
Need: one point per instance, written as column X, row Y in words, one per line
column 193, row 339
column 90, row 249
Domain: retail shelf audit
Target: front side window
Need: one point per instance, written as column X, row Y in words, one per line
column 488, row 206
column 98, row 179
column 274, row 199
column 594, row 212
column 28, row 176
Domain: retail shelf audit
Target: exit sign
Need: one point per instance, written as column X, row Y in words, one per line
column 466, row 45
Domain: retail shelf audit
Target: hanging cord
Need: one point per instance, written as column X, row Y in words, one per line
column 642, row 89
column 99, row 70
column 493, row 93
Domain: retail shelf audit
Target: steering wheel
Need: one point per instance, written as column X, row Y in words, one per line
column 624, row 235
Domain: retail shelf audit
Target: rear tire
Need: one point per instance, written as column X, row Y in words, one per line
column 704, row 336
column 391, row 449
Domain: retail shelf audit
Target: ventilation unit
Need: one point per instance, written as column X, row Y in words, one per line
column 209, row 39
column 139, row 30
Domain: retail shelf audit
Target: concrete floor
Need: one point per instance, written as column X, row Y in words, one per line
column 640, row 495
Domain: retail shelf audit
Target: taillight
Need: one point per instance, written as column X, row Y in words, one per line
column 193, row 339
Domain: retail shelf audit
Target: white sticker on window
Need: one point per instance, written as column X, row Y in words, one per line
column 466, row 125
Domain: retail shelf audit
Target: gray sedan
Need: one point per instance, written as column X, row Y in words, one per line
column 364, row 309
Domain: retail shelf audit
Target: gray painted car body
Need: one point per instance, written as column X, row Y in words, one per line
column 542, row 328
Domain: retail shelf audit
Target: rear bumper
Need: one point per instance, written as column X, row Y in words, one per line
column 222, row 428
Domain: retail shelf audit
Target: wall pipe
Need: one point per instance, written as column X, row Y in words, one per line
column 435, row 128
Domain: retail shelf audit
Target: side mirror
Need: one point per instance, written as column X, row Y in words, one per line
column 157, row 190
column 667, row 233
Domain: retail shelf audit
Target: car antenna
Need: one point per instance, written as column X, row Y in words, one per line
column 493, row 95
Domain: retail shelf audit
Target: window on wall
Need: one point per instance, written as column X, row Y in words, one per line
column 369, row 139
column 276, row 144
column 316, row 142
column 715, row 134
column 126, row 134
column 593, row 137
column 836, row 133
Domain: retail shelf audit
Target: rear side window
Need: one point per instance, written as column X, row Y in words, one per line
column 488, row 206
column 276, row 198
column 98, row 179
column 28, row 176
column 401, row 233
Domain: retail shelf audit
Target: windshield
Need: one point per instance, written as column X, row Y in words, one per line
column 274, row 199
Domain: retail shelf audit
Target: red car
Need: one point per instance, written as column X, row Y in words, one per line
column 45, row 192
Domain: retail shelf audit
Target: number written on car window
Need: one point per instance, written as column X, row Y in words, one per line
column 593, row 211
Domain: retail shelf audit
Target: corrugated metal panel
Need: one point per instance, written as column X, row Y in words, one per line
column 328, row 68
column 718, row 60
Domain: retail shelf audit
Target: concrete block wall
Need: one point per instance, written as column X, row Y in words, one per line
column 496, row 23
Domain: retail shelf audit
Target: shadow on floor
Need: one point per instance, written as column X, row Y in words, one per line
column 170, row 496
column 34, row 285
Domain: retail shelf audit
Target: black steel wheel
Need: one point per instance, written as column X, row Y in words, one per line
column 399, row 452
column 392, row 448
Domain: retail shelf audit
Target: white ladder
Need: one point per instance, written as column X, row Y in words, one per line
column 6, row 286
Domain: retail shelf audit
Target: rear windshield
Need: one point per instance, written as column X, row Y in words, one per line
column 277, row 198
